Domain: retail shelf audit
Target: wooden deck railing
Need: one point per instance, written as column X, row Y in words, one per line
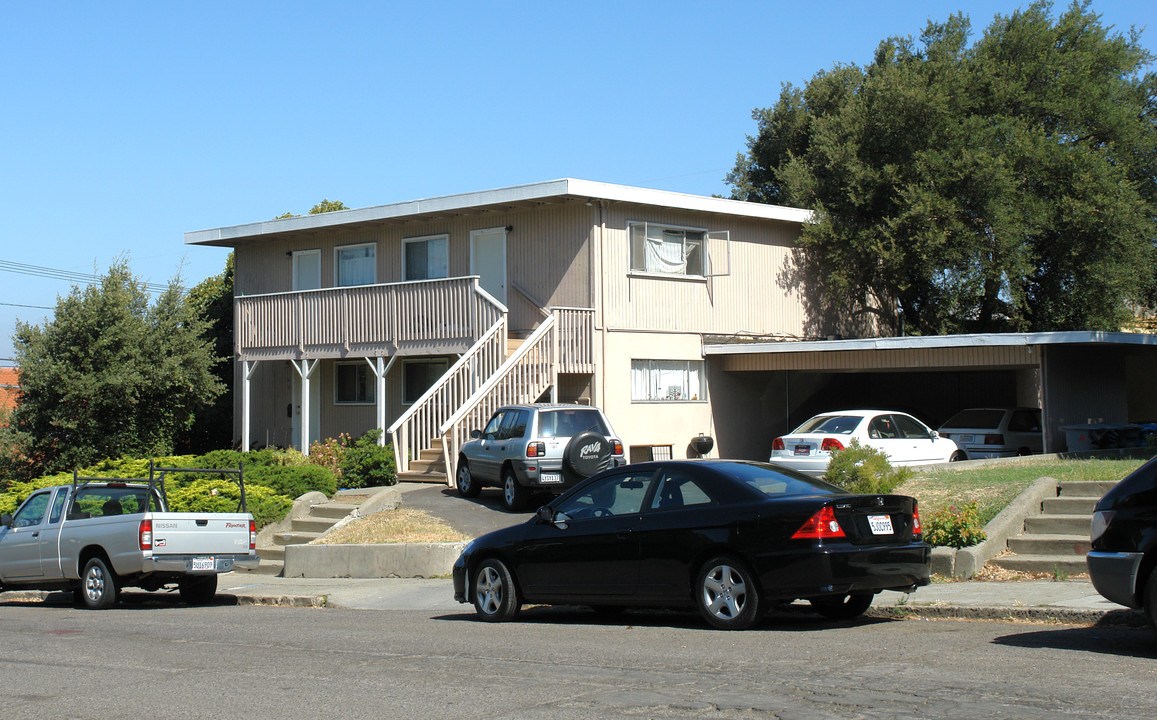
column 423, row 316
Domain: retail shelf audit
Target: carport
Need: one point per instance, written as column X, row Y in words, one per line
column 759, row 390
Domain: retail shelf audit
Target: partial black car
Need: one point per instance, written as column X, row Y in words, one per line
column 729, row 538
column 1123, row 560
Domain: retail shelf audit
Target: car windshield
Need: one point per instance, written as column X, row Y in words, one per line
column 565, row 423
column 836, row 424
column 778, row 482
column 975, row 418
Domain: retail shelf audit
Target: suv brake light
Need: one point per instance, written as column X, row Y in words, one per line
column 146, row 534
column 618, row 447
column 777, row 444
column 536, row 449
column 821, row 526
column 831, row 445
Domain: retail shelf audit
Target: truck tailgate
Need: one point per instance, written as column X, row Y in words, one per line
column 200, row 533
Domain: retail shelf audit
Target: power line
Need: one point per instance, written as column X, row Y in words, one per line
column 37, row 307
column 66, row 275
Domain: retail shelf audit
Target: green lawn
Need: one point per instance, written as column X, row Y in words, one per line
column 993, row 487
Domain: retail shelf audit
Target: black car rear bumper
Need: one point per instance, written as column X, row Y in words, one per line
column 1114, row 575
column 843, row 570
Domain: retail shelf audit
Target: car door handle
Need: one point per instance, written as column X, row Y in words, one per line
column 623, row 534
column 36, row 533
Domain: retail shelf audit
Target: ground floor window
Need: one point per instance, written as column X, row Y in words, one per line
column 668, row 381
column 354, row 383
column 419, row 375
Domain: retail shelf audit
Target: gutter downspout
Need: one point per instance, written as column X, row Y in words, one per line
column 601, row 392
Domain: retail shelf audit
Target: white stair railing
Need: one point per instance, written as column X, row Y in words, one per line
column 530, row 371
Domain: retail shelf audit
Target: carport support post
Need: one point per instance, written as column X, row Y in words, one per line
column 305, row 370
column 247, row 370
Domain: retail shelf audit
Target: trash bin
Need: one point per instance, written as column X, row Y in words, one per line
column 1101, row 436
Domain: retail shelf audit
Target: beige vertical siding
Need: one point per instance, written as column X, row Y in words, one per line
column 753, row 299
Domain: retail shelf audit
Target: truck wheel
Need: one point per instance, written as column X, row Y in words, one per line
column 198, row 589
column 99, row 585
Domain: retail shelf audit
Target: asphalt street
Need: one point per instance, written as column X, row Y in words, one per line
column 172, row 661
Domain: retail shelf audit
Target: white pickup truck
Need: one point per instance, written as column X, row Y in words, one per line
column 97, row 536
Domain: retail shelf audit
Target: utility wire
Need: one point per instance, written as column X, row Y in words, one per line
column 38, row 307
column 66, row 275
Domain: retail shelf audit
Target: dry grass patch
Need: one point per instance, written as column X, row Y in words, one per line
column 403, row 525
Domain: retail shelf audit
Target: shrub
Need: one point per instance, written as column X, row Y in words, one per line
column 292, row 482
column 212, row 495
column 864, row 469
column 954, row 527
column 357, row 463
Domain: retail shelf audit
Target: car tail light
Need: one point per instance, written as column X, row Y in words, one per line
column 831, row 445
column 146, row 534
column 252, row 535
column 618, row 446
column 916, row 531
column 777, row 444
column 820, row 526
column 535, row 449
column 994, row 439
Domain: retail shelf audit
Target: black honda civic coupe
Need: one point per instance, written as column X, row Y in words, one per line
column 730, row 538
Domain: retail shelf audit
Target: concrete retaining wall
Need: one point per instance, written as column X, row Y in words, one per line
column 402, row 560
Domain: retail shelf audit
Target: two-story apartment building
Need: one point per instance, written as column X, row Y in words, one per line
column 421, row 317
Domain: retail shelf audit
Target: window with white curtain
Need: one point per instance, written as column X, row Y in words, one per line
column 426, row 258
column 668, row 381
column 355, row 265
column 667, row 250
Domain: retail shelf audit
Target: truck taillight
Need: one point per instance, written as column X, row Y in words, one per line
column 252, row 535
column 146, row 534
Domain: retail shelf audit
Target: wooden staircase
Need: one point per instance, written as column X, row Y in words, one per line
column 429, row 466
column 1057, row 540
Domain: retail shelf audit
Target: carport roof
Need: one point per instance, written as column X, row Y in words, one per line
column 934, row 341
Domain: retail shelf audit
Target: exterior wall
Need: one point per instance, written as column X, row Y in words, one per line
column 753, row 299
column 547, row 255
column 1082, row 385
column 652, row 423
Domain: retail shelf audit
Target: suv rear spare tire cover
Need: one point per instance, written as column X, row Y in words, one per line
column 587, row 453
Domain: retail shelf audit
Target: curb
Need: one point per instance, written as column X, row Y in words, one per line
column 307, row 601
column 1067, row 616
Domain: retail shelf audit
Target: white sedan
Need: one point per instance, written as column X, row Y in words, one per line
column 903, row 438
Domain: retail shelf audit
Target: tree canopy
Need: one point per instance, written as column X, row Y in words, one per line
column 1005, row 185
column 110, row 374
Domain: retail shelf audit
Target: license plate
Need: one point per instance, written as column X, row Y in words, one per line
column 880, row 524
column 965, row 438
column 546, row 478
column 803, row 449
column 204, row 563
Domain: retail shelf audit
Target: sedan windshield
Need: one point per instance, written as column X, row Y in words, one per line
column 836, row 424
column 778, row 482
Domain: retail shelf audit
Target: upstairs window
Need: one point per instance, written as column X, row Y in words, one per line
column 355, row 265
column 426, row 258
column 667, row 250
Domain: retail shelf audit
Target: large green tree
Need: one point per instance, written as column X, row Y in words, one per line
column 1007, row 184
column 211, row 300
column 111, row 374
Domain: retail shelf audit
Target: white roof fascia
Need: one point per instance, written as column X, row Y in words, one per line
column 464, row 201
column 1078, row 337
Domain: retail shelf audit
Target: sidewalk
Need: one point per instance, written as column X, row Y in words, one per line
column 1070, row 601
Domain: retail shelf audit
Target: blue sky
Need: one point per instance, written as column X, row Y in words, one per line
column 124, row 125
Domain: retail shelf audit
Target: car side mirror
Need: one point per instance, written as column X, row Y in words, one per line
column 933, row 434
column 545, row 515
column 475, row 434
column 6, row 520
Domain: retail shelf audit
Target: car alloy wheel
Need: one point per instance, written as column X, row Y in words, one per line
column 514, row 496
column 726, row 593
column 467, row 488
column 494, row 594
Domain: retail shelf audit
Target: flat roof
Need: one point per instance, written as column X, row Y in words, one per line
column 1076, row 337
column 518, row 195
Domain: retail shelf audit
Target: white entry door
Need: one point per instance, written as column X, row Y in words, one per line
column 307, row 270
column 488, row 260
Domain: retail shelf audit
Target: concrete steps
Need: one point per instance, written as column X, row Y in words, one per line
column 320, row 519
column 1056, row 541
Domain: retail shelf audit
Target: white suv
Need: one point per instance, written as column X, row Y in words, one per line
column 537, row 448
